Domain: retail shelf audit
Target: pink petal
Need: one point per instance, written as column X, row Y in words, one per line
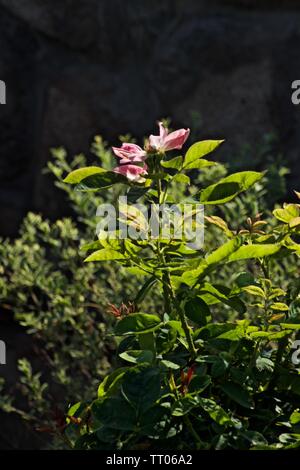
column 130, row 153
column 163, row 131
column 176, row 139
column 165, row 141
column 155, row 142
column 132, row 172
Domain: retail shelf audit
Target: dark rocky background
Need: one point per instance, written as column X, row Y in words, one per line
column 74, row 68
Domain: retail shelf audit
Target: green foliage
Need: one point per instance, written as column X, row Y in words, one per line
column 212, row 369
column 201, row 348
column 228, row 188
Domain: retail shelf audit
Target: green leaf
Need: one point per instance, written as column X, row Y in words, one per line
column 111, row 382
column 277, row 292
column 213, row 330
column 137, row 323
column 263, row 363
column 174, row 163
column 145, row 289
column 170, row 364
column 228, row 188
column 151, row 418
column 211, row 261
column 223, row 251
column 289, row 381
column 199, row 164
column 199, row 383
column 236, row 304
column 215, row 411
column 238, row 394
column 212, row 295
column 176, row 325
column 76, row 409
column 235, row 334
column 101, row 181
column 199, row 150
column 279, row 306
column 256, row 438
column 184, row 405
column 270, row 335
column 135, row 193
column 295, row 417
column 77, row 176
column 142, row 387
column 290, row 438
column 181, row 178
column 254, row 290
column 93, row 178
column 290, row 326
column 137, row 356
column 253, row 251
column 244, row 279
column 287, row 214
column 106, row 254
column 96, row 245
column 115, row 413
column 215, row 294
column 294, row 222
column 219, row 367
column 147, row 341
column 219, row 222
column 197, row 311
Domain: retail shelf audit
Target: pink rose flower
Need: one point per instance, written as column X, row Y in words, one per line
column 133, row 173
column 130, row 153
column 165, row 141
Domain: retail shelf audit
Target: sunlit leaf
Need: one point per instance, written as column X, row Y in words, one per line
column 137, row 323
column 254, row 251
column 77, row 176
column 199, row 150
column 228, row 188
column 106, row 254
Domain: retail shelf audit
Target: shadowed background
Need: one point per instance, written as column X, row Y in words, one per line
column 77, row 68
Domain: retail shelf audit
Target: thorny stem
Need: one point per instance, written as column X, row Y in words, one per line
column 265, row 269
column 167, row 300
column 190, row 426
column 166, row 291
column 187, row 330
column 169, row 295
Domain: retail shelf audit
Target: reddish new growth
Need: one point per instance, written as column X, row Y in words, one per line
column 186, row 379
column 122, row 311
column 254, row 226
column 58, row 419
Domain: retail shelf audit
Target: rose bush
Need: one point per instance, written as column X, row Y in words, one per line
column 195, row 375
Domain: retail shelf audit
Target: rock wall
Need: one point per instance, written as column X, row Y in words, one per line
column 74, row 68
